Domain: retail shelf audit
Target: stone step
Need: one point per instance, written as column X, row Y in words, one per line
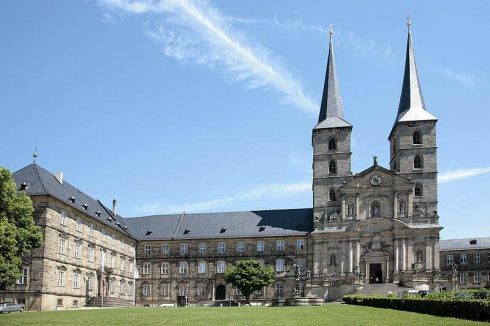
column 109, row 302
column 383, row 288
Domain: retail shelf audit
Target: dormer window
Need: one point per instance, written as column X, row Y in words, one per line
column 72, row 199
column 24, row 186
column 417, row 138
column 473, row 242
column 417, row 162
column 332, row 167
column 85, row 206
column 332, row 144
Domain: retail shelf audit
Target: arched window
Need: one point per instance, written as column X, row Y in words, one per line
column 417, row 139
column 418, row 192
column 332, row 195
column 375, row 209
column 417, row 162
column 332, row 167
column 332, row 144
column 402, row 207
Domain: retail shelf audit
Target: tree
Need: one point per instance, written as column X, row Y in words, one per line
column 18, row 231
column 249, row 276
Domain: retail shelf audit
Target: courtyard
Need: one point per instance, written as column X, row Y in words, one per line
column 331, row 314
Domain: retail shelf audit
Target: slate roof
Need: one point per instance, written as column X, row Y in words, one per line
column 283, row 222
column 412, row 105
column 43, row 182
column 464, row 244
column 331, row 110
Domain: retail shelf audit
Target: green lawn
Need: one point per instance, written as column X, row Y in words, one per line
column 331, row 314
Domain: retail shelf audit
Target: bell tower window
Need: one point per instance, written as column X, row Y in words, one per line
column 417, row 139
column 417, row 162
column 332, row 195
column 332, row 167
column 332, row 144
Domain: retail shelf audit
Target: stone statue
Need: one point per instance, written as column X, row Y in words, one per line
column 419, row 256
column 356, row 270
column 308, row 274
column 333, row 260
column 296, row 272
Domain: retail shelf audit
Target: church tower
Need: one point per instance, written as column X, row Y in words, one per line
column 331, row 143
column 413, row 149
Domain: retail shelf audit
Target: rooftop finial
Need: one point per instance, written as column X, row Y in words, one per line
column 409, row 22
column 34, row 155
column 330, row 31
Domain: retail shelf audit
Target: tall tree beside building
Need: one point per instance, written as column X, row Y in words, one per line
column 249, row 276
column 18, row 231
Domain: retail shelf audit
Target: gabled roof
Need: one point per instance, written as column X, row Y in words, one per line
column 266, row 223
column 464, row 244
column 375, row 167
column 412, row 105
column 42, row 182
column 331, row 110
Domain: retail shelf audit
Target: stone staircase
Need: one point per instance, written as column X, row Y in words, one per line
column 381, row 288
column 109, row 302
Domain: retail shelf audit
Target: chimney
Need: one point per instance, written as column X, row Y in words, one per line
column 114, row 207
column 59, row 177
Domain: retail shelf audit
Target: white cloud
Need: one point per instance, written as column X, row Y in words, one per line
column 463, row 78
column 199, row 33
column 452, row 175
column 278, row 190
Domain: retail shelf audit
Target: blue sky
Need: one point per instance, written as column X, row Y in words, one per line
column 208, row 106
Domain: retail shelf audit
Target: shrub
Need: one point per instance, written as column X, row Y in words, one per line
column 448, row 306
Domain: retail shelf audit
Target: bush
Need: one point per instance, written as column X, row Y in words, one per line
column 449, row 306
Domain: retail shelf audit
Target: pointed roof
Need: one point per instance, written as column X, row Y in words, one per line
column 331, row 111
column 411, row 106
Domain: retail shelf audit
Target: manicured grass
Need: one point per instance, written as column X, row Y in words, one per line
column 331, row 314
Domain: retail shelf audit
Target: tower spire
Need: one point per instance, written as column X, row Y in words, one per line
column 411, row 106
column 331, row 110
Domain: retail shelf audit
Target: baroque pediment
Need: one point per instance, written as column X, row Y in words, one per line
column 374, row 178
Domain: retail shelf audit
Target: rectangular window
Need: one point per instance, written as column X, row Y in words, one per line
column 301, row 263
column 79, row 225
column 462, row 277
column 78, row 250
column 164, row 289
column 113, row 239
column 90, row 282
column 103, row 235
column 146, row 268
column 76, row 280
column 279, row 289
column 113, row 261
column 279, row 265
column 122, row 265
column 240, row 246
column 164, row 268
column 63, row 218
column 165, row 249
column 449, row 259
column 201, row 268
column 61, row 278
column 463, row 258
column 91, row 230
column 202, row 248
column 91, row 255
column 112, row 286
column 147, row 250
column 146, row 290
column 280, row 245
column 221, row 247
column 221, row 267
column 260, row 246
column 477, row 277
column 62, row 248
column 183, row 267
column 238, row 291
column 300, row 245
column 23, row 276
column 182, row 290
column 121, row 289
column 477, row 258
column 184, row 248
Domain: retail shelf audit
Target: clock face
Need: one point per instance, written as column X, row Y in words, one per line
column 376, row 180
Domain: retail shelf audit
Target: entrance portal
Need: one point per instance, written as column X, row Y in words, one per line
column 375, row 273
column 220, row 292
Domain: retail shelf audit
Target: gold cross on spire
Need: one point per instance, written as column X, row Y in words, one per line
column 330, row 31
column 409, row 22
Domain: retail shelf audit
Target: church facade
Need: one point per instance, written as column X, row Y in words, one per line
column 376, row 226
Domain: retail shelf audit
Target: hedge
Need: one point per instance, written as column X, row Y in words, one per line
column 466, row 309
